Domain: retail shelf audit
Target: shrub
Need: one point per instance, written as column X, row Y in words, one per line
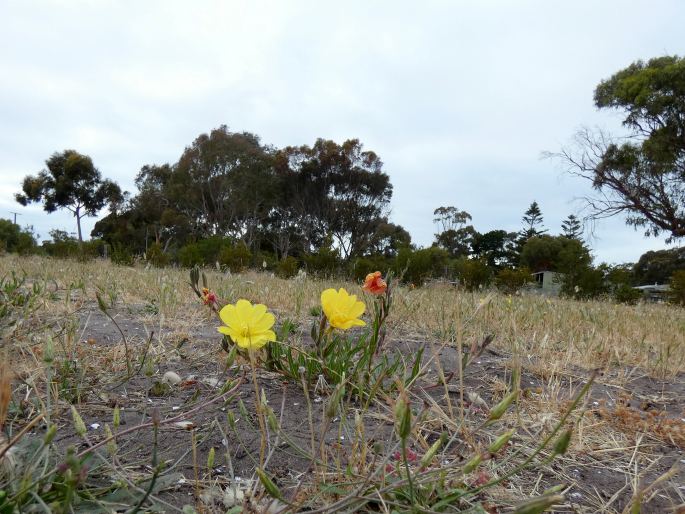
column 417, row 266
column 626, row 294
column 156, row 256
column 677, row 284
column 236, row 258
column 189, row 256
column 512, row 280
column 365, row 265
column 287, row 268
column 121, row 255
column 210, row 249
column 65, row 246
column 473, row 273
column 14, row 239
column 326, row 262
column 583, row 283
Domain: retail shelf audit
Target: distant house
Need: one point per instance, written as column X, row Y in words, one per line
column 547, row 282
column 654, row 293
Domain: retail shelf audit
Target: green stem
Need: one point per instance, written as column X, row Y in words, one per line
column 406, row 467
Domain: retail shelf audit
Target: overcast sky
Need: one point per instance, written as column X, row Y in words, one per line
column 458, row 98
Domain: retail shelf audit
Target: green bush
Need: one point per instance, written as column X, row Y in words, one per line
column 236, row 258
column 65, row 246
column 189, row 256
column 627, row 294
column 156, row 256
column 473, row 274
column 121, row 255
column 583, row 283
column 210, row 249
column 417, row 266
column 677, row 283
column 261, row 258
column 287, row 268
column 365, row 265
column 510, row 281
column 325, row 263
column 14, row 239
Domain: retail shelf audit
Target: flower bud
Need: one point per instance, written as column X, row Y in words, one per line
column 155, row 416
column 50, row 434
column 498, row 443
column 402, row 417
column 335, row 399
column 79, row 425
column 432, row 451
column 231, row 356
column 112, row 444
column 116, row 418
column 243, row 409
column 270, row 487
column 210, row 458
column 271, row 419
column 472, row 464
column 561, row 445
column 48, row 351
column 498, row 410
column 539, row 504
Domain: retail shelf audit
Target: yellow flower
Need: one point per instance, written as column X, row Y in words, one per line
column 249, row 326
column 342, row 309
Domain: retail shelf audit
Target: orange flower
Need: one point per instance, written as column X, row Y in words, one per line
column 208, row 297
column 374, row 284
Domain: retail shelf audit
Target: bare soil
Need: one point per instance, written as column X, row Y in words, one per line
column 601, row 477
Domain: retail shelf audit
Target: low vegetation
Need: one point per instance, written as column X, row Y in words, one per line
column 119, row 393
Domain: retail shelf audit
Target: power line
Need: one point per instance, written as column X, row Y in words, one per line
column 15, row 216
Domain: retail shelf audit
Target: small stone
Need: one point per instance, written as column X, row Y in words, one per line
column 171, row 378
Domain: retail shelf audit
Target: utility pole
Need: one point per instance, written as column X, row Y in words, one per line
column 15, row 216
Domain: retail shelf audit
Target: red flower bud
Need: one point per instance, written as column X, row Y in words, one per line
column 374, row 284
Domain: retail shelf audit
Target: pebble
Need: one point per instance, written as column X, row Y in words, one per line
column 171, row 378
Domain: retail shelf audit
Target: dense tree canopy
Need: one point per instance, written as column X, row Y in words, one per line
column 70, row 182
column 657, row 267
column 293, row 201
column 642, row 175
column 336, row 190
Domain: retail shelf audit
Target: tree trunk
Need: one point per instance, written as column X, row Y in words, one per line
column 78, row 224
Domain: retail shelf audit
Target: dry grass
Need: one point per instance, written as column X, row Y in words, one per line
column 554, row 343
column 558, row 334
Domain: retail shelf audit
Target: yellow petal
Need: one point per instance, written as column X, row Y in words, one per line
column 328, row 296
column 242, row 342
column 357, row 309
column 258, row 310
column 264, row 323
column 243, row 309
column 228, row 315
column 349, row 323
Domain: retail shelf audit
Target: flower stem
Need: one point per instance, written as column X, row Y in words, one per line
column 258, row 406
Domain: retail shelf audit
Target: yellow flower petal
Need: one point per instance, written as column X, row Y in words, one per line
column 342, row 309
column 264, row 323
column 228, row 315
column 243, row 309
column 225, row 330
column 247, row 325
column 258, row 311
